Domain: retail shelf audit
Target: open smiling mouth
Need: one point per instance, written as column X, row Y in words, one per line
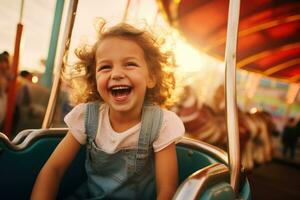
column 120, row 91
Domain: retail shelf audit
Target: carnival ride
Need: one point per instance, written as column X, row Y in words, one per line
column 268, row 38
column 268, row 44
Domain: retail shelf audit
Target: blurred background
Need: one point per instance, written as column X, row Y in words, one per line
column 267, row 87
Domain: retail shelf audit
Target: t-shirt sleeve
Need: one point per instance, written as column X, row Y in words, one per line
column 172, row 129
column 75, row 122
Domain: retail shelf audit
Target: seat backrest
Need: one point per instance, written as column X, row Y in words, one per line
column 19, row 167
column 191, row 160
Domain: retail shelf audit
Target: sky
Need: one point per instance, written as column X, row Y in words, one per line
column 38, row 17
column 37, row 22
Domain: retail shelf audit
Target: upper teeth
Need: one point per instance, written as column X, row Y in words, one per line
column 120, row 87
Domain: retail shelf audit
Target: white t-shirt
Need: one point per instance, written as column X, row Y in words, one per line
column 111, row 141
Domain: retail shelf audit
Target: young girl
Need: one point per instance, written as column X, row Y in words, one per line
column 129, row 138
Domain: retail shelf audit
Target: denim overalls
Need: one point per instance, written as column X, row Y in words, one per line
column 128, row 173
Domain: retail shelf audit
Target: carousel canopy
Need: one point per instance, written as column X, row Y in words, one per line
column 269, row 32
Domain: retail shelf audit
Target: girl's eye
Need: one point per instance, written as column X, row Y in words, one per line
column 128, row 64
column 104, row 67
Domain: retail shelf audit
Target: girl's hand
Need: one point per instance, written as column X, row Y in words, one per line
column 47, row 184
column 166, row 172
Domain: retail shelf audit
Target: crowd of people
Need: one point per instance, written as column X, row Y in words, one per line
column 31, row 99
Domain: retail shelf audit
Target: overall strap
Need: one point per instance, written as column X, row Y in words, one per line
column 152, row 117
column 91, row 121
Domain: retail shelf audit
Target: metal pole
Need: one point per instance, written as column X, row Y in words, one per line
column 126, row 11
column 47, row 77
column 65, row 46
column 230, row 86
column 21, row 11
column 11, row 98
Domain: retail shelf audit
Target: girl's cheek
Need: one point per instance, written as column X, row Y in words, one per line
column 101, row 83
column 97, row 75
column 99, row 78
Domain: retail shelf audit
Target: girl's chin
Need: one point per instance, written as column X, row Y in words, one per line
column 121, row 108
column 126, row 107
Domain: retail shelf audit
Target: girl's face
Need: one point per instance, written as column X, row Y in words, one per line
column 122, row 75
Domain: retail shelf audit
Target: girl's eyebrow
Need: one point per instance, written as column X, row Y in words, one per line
column 131, row 57
column 107, row 60
column 104, row 60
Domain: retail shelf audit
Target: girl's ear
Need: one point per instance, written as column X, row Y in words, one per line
column 151, row 83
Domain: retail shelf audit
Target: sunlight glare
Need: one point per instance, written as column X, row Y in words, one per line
column 35, row 79
column 190, row 59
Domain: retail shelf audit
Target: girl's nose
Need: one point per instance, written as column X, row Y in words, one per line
column 117, row 75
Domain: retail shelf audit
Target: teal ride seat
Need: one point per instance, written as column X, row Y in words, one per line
column 22, row 159
column 20, row 165
column 192, row 158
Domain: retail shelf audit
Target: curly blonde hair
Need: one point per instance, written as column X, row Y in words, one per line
column 160, row 65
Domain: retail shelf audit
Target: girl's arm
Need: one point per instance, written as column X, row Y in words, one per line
column 47, row 183
column 166, row 170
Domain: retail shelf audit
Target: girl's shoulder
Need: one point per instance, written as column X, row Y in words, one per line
column 172, row 129
column 76, row 114
column 80, row 106
column 171, row 117
column 171, row 123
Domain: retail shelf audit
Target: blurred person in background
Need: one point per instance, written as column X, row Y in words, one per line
column 23, row 98
column 298, row 128
column 31, row 102
column 4, row 78
column 289, row 138
column 297, row 133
